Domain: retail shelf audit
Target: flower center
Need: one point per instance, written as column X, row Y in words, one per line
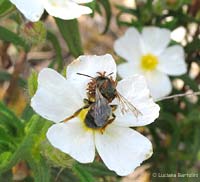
column 82, row 115
column 53, row 3
column 149, row 62
column 93, row 121
column 88, row 121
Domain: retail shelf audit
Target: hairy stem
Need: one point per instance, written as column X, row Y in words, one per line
column 177, row 95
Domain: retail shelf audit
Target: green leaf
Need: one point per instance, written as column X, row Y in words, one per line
column 32, row 83
column 8, row 36
column 4, row 157
column 193, row 46
column 5, row 76
column 98, row 169
column 28, row 148
column 40, row 169
column 5, row 7
column 27, row 113
column 126, row 10
column 51, row 37
column 107, row 7
column 135, row 15
column 70, row 32
column 64, row 175
column 5, row 136
column 6, row 146
column 10, row 120
column 94, row 6
column 83, row 175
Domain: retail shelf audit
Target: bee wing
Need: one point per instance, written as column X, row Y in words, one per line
column 102, row 109
column 127, row 106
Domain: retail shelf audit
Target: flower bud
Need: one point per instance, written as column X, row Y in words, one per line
column 33, row 33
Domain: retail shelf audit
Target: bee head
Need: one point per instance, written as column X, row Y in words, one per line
column 105, row 83
column 107, row 87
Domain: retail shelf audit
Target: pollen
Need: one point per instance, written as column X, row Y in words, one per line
column 83, row 114
column 149, row 62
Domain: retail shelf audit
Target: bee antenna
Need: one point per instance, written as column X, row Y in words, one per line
column 84, row 75
column 110, row 74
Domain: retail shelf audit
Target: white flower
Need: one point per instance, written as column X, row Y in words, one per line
column 147, row 54
column 121, row 148
column 64, row 9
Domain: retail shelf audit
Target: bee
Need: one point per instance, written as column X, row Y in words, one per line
column 100, row 112
column 101, row 91
column 107, row 87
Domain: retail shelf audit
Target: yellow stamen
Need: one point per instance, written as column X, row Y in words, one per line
column 83, row 114
column 149, row 62
column 53, row 3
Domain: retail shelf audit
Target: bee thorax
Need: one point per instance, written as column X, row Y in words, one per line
column 106, row 86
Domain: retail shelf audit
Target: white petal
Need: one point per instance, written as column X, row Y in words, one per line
column 133, row 87
column 128, row 46
column 128, row 69
column 155, row 39
column 82, row 1
column 90, row 65
column 32, row 10
column 136, row 91
column 56, row 99
column 178, row 34
column 73, row 139
column 65, row 9
column 122, row 149
column 159, row 84
column 172, row 62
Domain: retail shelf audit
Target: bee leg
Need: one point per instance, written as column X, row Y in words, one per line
column 112, row 119
column 110, row 74
column 76, row 113
column 73, row 116
column 86, row 102
column 109, row 122
column 102, row 130
column 114, row 107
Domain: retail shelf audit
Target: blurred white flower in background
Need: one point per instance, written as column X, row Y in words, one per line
column 178, row 34
column 121, row 148
column 64, row 9
column 147, row 53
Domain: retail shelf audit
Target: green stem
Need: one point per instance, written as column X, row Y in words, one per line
column 70, row 32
